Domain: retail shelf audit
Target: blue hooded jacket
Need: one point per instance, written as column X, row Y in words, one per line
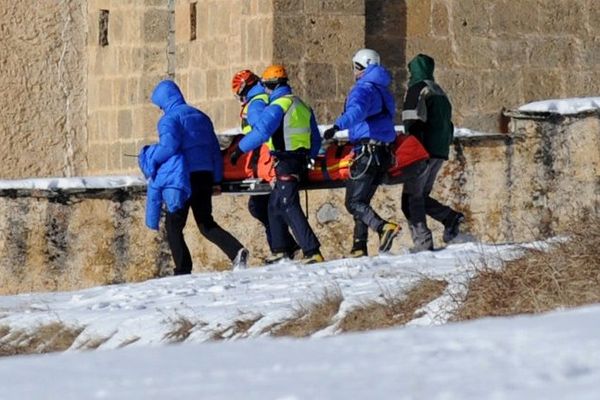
column 171, row 183
column 370, row 107
column 271, row 119
column 256, row 107
column 187, row 130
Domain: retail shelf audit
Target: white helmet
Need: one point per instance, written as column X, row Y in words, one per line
column 365, row 57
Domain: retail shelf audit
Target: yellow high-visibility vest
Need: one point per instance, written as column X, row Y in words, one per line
column 296, row 123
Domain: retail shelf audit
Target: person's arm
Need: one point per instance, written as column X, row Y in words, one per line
column 360, row 105
column 255, row 110
column 264, row 128
column 414, row 110
column 315, row 137
column 169, row 132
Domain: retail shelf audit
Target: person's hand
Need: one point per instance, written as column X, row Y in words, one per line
column 311, row 163
column 330, row 133
column 234, row 157
column 216, row 189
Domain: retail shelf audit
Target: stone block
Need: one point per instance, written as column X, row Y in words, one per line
column 475, row 52
column 267, row 42
column 218, row 19
column 462, row 86
column 320, row 81
column 502, row 88
column 105, row 93
column 470, row 17
column 114, row 157
column 553, row 52
column 347, row 7
column 265, row 6
column 563, row 16
column 157, row 59
column 198, row 85
column 201, row 20
column 542, row 84
column 385, row 18
column 418, row 17
column 146, row 86
column 483, row 121
column 509, row 19
column 182, row 22
column 212, row 84
column 591, row 53
column 287, row 6
column 512, row 53
column 155, row 26
column 125, row 124
column 440, row 20
column 127, row 162
column 438, row 48
column 334, row 38
column 289, row 39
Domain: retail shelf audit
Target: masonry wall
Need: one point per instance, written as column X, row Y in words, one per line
column 42, row 79
column 224, row 37
column 121, row 73
column 496, row 54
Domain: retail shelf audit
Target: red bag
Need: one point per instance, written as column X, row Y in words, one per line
column 408, row 151
column 251, row 165
column 334, row 165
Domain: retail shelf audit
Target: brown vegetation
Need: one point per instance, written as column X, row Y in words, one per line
column 310, row 318
column 47, row 338
column 567, row 275
column 239, row 329
column 396, row 309
column 182, row 329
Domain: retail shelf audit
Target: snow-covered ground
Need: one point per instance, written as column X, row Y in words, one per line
column 555, row 356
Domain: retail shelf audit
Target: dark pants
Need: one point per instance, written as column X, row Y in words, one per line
column 367, row 172
column 285, row 211
column 201, row 204
column 259, row 208
column 416, row 202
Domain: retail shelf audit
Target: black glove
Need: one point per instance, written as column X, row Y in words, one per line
column 237, row 153
column 330, row 133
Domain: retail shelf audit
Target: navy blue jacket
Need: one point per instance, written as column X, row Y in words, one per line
column 271, row 119
column 186, row 130
column 370, row 107
column 170, row 183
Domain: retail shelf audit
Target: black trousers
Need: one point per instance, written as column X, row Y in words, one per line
column 285, row 212
column 416, row 200
column 368, row 169
column 259, row 208
column 201, row 204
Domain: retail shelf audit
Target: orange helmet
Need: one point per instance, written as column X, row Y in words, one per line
column 274, row 74
column 242, row 80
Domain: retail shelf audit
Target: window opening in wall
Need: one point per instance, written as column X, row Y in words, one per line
column 192, row 21
column 103, row 28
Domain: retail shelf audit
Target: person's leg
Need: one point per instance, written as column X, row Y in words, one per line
column 258, row 206
column 201, row 203
column 413, row 207
column 434, row 208
column 288, row 205
column 174, row 223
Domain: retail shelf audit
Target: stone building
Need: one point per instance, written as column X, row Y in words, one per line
column 78, row 74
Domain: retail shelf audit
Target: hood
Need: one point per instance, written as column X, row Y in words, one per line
column 376, row 74
column 421, row 68
column 280, row 91
column 255, row 91
column 166, row 95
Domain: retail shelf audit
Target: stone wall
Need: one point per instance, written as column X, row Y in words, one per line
column 501, row 54
column 316, row 40
column 42, row 78
column 228, row 35
column 121, row 74
column 528, row 185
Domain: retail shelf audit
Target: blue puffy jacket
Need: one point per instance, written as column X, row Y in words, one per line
column 256, row 107
column 271, row 119
column 370, row 107
column 187, row 130
column 170, row 184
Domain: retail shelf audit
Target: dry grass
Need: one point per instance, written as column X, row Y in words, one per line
column 396, row 309
column 567, row 275
column 310, row 318
column 182, row 329
column 239, row 328
column 48, row 338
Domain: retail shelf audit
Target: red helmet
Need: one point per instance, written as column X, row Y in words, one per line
column 242, row 80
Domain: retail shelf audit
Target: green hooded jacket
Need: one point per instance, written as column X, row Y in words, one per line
column 427, row 112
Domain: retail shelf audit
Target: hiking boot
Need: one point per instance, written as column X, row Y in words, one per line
column 387, row 234
column 356, row 253
column 291, row 254
column 359, row 249
column 313, row 259
column 241, row 259
column 452, row 229
column 276, row 257
column 422, row 238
